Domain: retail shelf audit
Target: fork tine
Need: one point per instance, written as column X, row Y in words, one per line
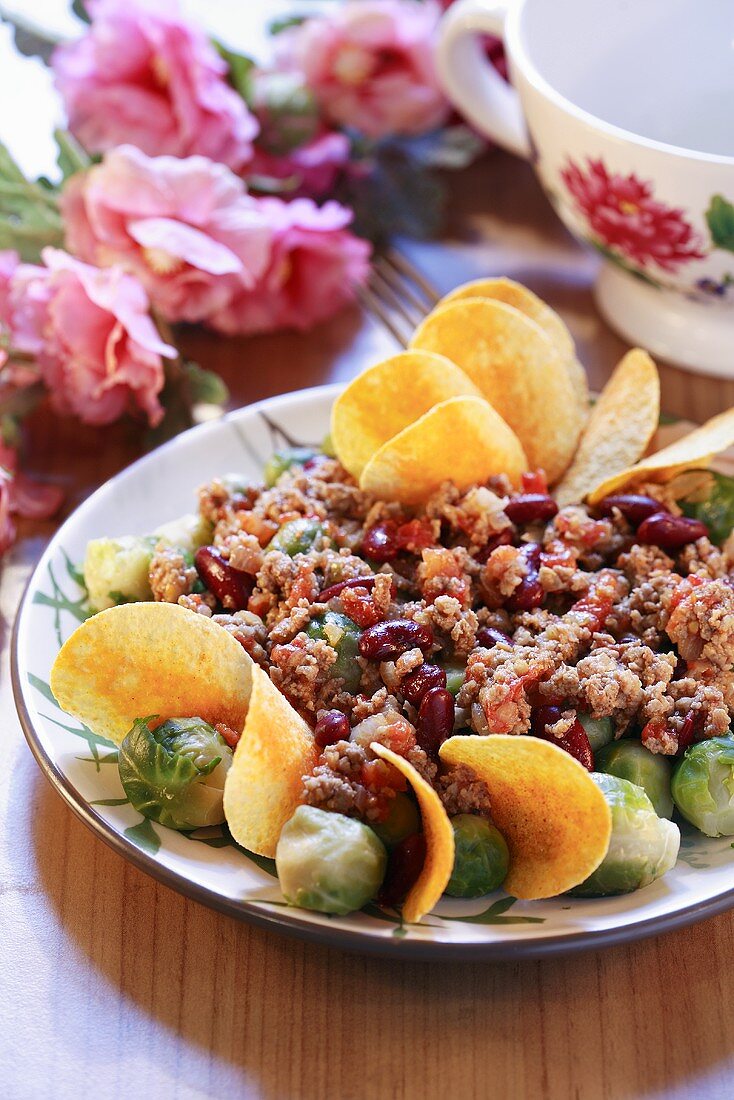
column 397, row 296
column 377, row 309
column 411, row 273
column 400, row 287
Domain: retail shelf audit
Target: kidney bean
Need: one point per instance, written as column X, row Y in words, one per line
column 420, row 680
column 335, row 589
column 383, row 641
column 232, row 587
column 634, row 506
column 529, row 593
column 670, row 532
column 531, row 508
column 381, row 542
column 330, row 727
column 435, row 719
column 575, row 741
column 488, row 636
column 404, row 865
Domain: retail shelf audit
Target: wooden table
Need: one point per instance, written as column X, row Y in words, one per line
column 112, row 986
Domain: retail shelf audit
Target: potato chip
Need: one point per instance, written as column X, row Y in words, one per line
column 517, row 368
column 151, row 658
column 517, row 295
column 463, row 439
column 621, row 425
column 439, row 834
column 550, row 811
column 698, row 448
column 386, row 398
column 263, row 786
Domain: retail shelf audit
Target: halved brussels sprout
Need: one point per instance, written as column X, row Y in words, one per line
column 651, row 771
column 402, row 820
column 600, row 731
column 284, row 460
column 481, row 857
column 175, row 773
column 342, row 635
column 187, row 532
column 116, row 570
column 329, row 862
column 297, row 536
column 703, row 786
column 642, row 847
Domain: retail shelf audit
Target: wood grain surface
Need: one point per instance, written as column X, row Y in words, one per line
column 112, row 986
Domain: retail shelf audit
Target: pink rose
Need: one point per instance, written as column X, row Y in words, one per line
column 142, row 74
column 186, row 228
column 315, row 166
column 97, row 349
column 22, row 495
column 315, row 268
column 370, row 65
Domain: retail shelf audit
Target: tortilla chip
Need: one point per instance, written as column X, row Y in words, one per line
column 621, row 425
column 463, row 439
column 517, row 368
column 439, row 834
column 698, row 448
column 388, row 397
column 553, row 816
column 517, row 295
column 151, row 658
column 263, row 786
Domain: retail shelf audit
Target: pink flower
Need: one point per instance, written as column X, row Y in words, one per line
column 315, row 166
column 22, row 495
column 315, row 267
column 370, row 65
column 142, row 74
column 623, row 214
column 186, row 228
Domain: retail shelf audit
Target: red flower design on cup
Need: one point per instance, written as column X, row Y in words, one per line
column 624, row 215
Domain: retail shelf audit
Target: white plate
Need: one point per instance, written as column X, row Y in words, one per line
column 160, row 487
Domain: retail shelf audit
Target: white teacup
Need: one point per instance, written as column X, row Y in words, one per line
column 626, row 109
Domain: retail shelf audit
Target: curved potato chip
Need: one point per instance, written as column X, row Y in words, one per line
column 515, row 294
column 439, row 862
column 151, row 658
column 518, row 370
column 621, row 425
column 462, row 439
column 550, row 811
column 263, row 786
column 698, row 448
column 386, row 398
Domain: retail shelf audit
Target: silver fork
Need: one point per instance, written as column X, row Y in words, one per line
column 397, row 294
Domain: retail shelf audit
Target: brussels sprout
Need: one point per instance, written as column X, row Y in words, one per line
column 481, row 857
column 327, row 446
column 116, row 570
column 175, row 773
column 297, row 536
column 631, row 760
column 642, row 846
column 329, row 862
column 600, row 731
column 703, row 786
column 284, row 460
column 343, row 636
column 455, row 674
column 187, row 533
column 403, row 820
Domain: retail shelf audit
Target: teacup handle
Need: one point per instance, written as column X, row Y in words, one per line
column 471, row 80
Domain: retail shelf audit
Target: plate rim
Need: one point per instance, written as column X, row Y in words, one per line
column 407, row 949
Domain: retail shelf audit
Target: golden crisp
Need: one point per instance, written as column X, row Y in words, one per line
column 553, row 816
column 515, row 294
column 151, row 658
column 263, row 787
column 388, row 397
column 517, row 368
column 621, row 425
column 439, row 834
column 462, row 439
column 698, row 448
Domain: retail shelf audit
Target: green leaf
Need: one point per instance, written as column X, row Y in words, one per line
column 71, row 157
column 240, row 70
column 29, row 212
column 265, row 864
column 711, row 501
column 79, row 9
column 205, row 387
column 720, row 220
column 110, row 802
column 144, row 836
column 277, row 26
column 495, row 914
